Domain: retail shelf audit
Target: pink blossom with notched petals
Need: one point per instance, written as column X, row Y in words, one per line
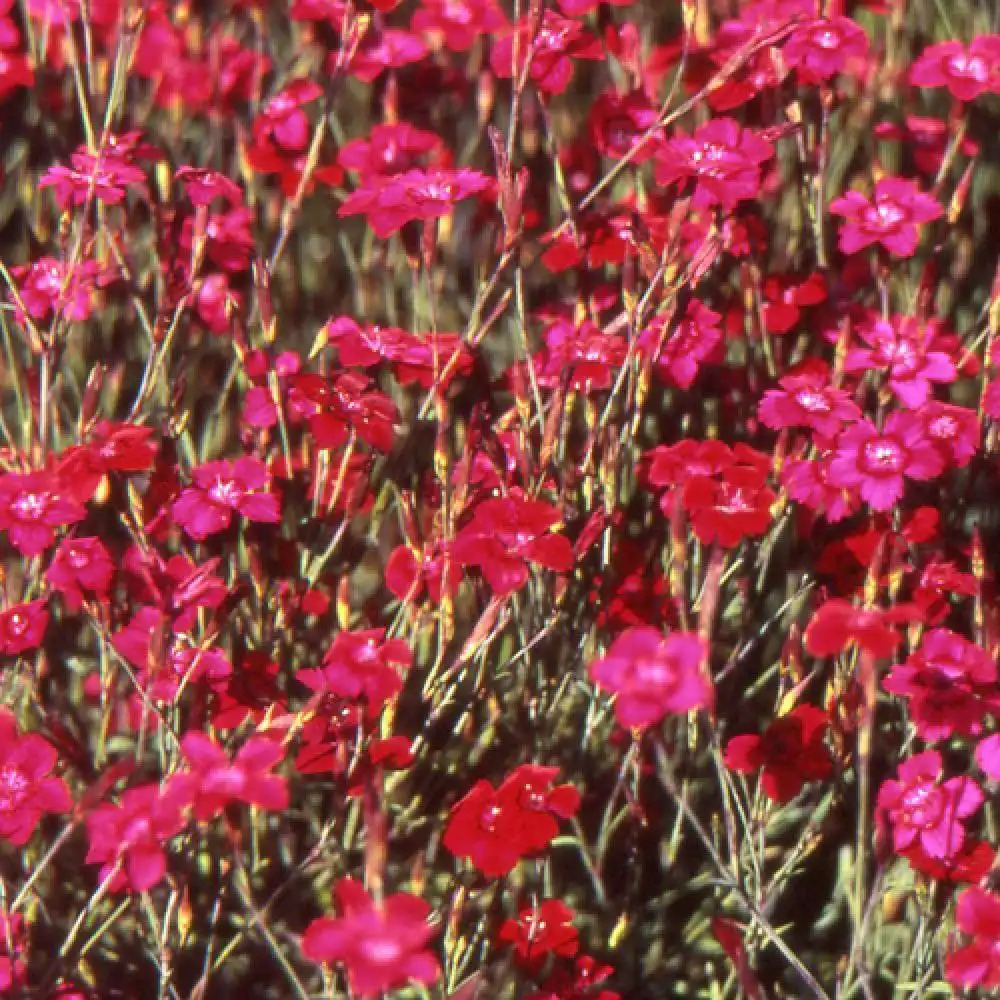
column 222, row 488
column 458, row 23
column 820, row 49
column 653, row 675
column 954, row 430
column 80, row 567
column 875, row 463
column 22, row 627
column 808, row 482
column 967, row 71
column 926, row 810
column 890, row 218
column 976, row 964
column 32, row 506
column 807, row 401
column 382, row 946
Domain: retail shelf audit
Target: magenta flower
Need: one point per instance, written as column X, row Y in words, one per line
column 389, row 148
column 80, row 566
column 967, row 72
column 220, row 488
column 32, row 505
column 875, row 463
column 723, row 158
column 652, row 675
column 27, row 789
column 104, row 177
column 389, row 202
column 212, row 781
column 505, row 535
column 22, row 627
column 458, row 23
column 134, row 832
column 950, row 685
column 988, row 756
column 926, row 810
column 807, row 401
column 954, row 430
column 821, row 49
column 381, row 946
column 977, row 963
column 890, row 218
column 679, row 348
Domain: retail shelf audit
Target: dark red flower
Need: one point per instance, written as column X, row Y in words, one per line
column 22, row 627
column 541, row 931
column 790, row 752
column 79, row 567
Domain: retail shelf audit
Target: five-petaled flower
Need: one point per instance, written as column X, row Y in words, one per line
column 32, row 506
column 220, row 488
column 890, row 218
column 381, row 945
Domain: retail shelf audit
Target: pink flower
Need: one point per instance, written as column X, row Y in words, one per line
column 891, row 218
column 723, row 158
column 905, row 348
column 105, row 177
column 988, row 756
column 458, row 23
column 389, row 148
column 950, row 685
column 823, row 48
column 220, row 488
column 807, row 401
column 27, row 789
column 22, row 627
column 967, row 72
column 31, row 506
column 381, row 946
column 362, row 664
column 389, row 202
column 953, row 430
column 679, row 349
column 212, row 781
column 134, row 833
column 926, row 810
column 80, row 566
column 875, row 463
column 977, row 963
column 652, row 675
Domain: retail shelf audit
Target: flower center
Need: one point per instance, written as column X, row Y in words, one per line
column 887, row 214
column 17, row 624
column 827, row 39
column 922, row 805
column 812, row 401
column 381, row 950
column 30, row 506
column 973, row 67
column 882, row 455
column 226, row 492
column 13, row 788
column 490, row 817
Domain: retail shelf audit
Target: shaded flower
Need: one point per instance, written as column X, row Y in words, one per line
column 978, row 962
column 79, row 567
column 22, row 627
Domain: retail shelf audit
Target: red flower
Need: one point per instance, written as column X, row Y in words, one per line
column 212, row 781
column 334, row 408
column 505, row 535
column 837, row 623
column 362, row 665
column 381, row 946
column 807, row 401
column 723, row 158
column 891, row 218
column 678, row 349
column 791, row 752
column 823, row 48
column 729, row 507
column 967, row 72
column 104, row 177
column 953, row 430
column 389, row 202
column 80, row 566
column 27, row 789
column 31, row 506
column 949, row 683
column 652, row 675
column 926, row 810
column 22, row 627
column 134, row 832
column 458, row 23
column 220, row 488
column 495, row 828
column 538, row 932
column 584, row 354
column 875, row 463
column 977, row 963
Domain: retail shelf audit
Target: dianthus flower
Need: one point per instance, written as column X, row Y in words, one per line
column 729, row 507
column 220, row 488
column 79, row 567
column 133, row 834
column 954, row 430
column 362, row 664
column 891, row 218
column 585, row 354
column 923, row 808
column 652, row 675
column 821, row 49
column 496, row 827
column 904, row 347
column 389, row 148
column 790, row 752
column 949, row 683
column 27, row 787
column 382, row 946
column 807, row 401
column 875, row 463
column 334, row 408
column 458, row 23
column 32, row 506
column 978, row 962
column 22, row 627
column 505, row 535
column 105, row 177
column 723, row 158
column 679, row 349
column 49, row 289
column 967, row 71
column 389, row 202
column 541, row 931
column 837, row 623
column 211, row 780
